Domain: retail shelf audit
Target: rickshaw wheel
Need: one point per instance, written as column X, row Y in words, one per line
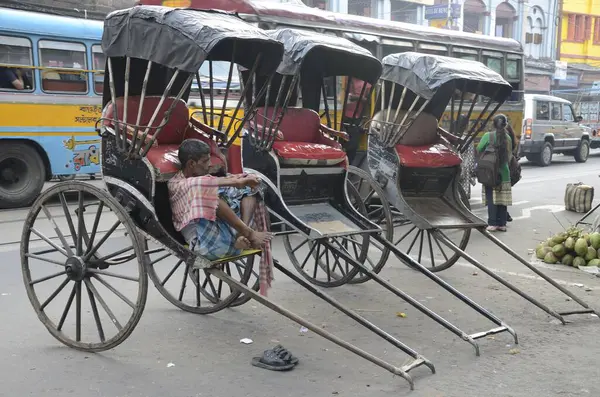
column 196, row 291
column 377, row 209
column 71, row 268
column 411, row 241
column 325, row 259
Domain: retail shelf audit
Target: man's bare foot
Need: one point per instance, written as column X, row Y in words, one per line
column 259, row 239
column 242, row 243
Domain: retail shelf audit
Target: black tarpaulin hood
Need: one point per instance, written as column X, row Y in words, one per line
column 185, row 38
column 425, row 74
column 334, row 56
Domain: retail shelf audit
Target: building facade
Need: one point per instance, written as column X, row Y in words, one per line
column 579, row 47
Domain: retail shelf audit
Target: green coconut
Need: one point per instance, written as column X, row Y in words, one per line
column 567, row 260
column 586, row 236
column 591, row 254
column 581, row 247
column 559, row 250
column 550, row 258
column 570, row 243
column 594, row 262
column 560, row 238
column 579, row 261
column 595, row 240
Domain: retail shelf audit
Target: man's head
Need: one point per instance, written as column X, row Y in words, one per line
column 194, row 156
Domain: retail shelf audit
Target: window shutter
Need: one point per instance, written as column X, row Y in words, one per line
column 537, row 38
column 528, row 38
column 571, row 27
column 588, row 27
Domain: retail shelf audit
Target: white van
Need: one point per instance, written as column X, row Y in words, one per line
column 550, row 126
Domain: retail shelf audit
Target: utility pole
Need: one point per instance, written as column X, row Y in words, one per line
column 558, row 21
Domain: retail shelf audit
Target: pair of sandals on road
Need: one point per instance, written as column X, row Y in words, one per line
column 276, row 359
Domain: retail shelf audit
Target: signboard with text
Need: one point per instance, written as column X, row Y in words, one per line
column 440, row 11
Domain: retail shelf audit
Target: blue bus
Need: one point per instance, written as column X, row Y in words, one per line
column 51, row 80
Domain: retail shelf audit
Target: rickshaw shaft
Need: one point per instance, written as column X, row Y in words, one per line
column 361, row 320
column 395, row 290
column 474, row 305
column 534, row 269
column 317, row 330
column 442, row 237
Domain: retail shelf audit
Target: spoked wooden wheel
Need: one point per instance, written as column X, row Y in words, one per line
column 61, row 261
column 322, row 265
column 424, row 247
column 197, row 291
column 376, row 208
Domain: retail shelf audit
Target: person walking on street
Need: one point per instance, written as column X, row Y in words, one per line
column 513, row 140
column 499, row 197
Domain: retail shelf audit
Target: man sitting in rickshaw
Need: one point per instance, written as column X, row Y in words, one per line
column 209, row 210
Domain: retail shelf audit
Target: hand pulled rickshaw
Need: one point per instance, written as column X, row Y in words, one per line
column 418, row 163
column 306, row 172
column 144, row 119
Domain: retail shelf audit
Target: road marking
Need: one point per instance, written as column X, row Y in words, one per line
column 424, row 259
column 529, row 276
column 483, row 209
column 526, row 212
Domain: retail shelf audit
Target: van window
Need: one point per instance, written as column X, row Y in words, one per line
column 568, row 112
column 542, row 111
column 64, row 66
column 556, row 111
column 15, row 51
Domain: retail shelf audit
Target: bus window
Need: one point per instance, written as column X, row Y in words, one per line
column 389, row 46
column 433, row 49
column 493, row 60
column 63, row 66
column 513, row 68
column 99, row 62
column 514, row 76
column 16, row 51
column 465, row 53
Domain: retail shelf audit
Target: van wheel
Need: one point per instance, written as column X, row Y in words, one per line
column 545, row 156
column 583, row 151
column 22, row 174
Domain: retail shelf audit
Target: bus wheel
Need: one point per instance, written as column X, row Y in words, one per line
column 22, row 174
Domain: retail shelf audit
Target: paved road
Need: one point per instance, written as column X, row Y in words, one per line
column 184, row 355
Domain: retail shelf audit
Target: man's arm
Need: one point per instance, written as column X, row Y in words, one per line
column 15, row 79
column 239, row 180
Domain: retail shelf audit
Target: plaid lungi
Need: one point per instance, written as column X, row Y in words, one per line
column 216, row 239
column 501, row 195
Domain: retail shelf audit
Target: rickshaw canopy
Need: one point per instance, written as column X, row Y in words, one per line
column 426, row 74
column 184, row 38
column 329, row 55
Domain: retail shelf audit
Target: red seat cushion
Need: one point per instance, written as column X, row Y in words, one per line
column 303, row 153
column 173, row 132
column 164, row 160
column 429, row 156
column 297, row 125
column 303, row 142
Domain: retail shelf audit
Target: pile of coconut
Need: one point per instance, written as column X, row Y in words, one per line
column 572, row 247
